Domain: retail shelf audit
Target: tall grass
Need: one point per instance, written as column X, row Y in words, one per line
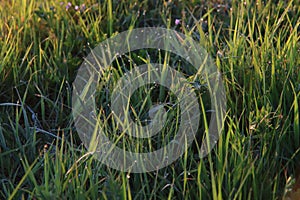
column 255, row 45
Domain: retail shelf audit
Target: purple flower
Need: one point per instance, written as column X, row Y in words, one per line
column 76, row 7
column 82, row 7
column 177, row 21
column 69, row 4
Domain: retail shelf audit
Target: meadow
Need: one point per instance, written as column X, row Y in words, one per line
column 255, row 44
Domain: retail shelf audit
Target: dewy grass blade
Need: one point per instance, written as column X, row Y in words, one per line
column 28, row 172
column 296, row 119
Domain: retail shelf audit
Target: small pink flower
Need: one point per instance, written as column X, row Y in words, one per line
column 76, row 7
column 177, row 21
column 69, row 4
column 82, row 7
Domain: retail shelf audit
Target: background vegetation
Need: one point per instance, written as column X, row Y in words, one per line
column 255, row 44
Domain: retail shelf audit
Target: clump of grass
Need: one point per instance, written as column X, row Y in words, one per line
column 255, row 45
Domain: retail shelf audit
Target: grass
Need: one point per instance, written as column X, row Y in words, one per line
column 255, row 45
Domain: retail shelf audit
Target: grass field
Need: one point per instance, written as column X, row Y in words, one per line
column 254, row 44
